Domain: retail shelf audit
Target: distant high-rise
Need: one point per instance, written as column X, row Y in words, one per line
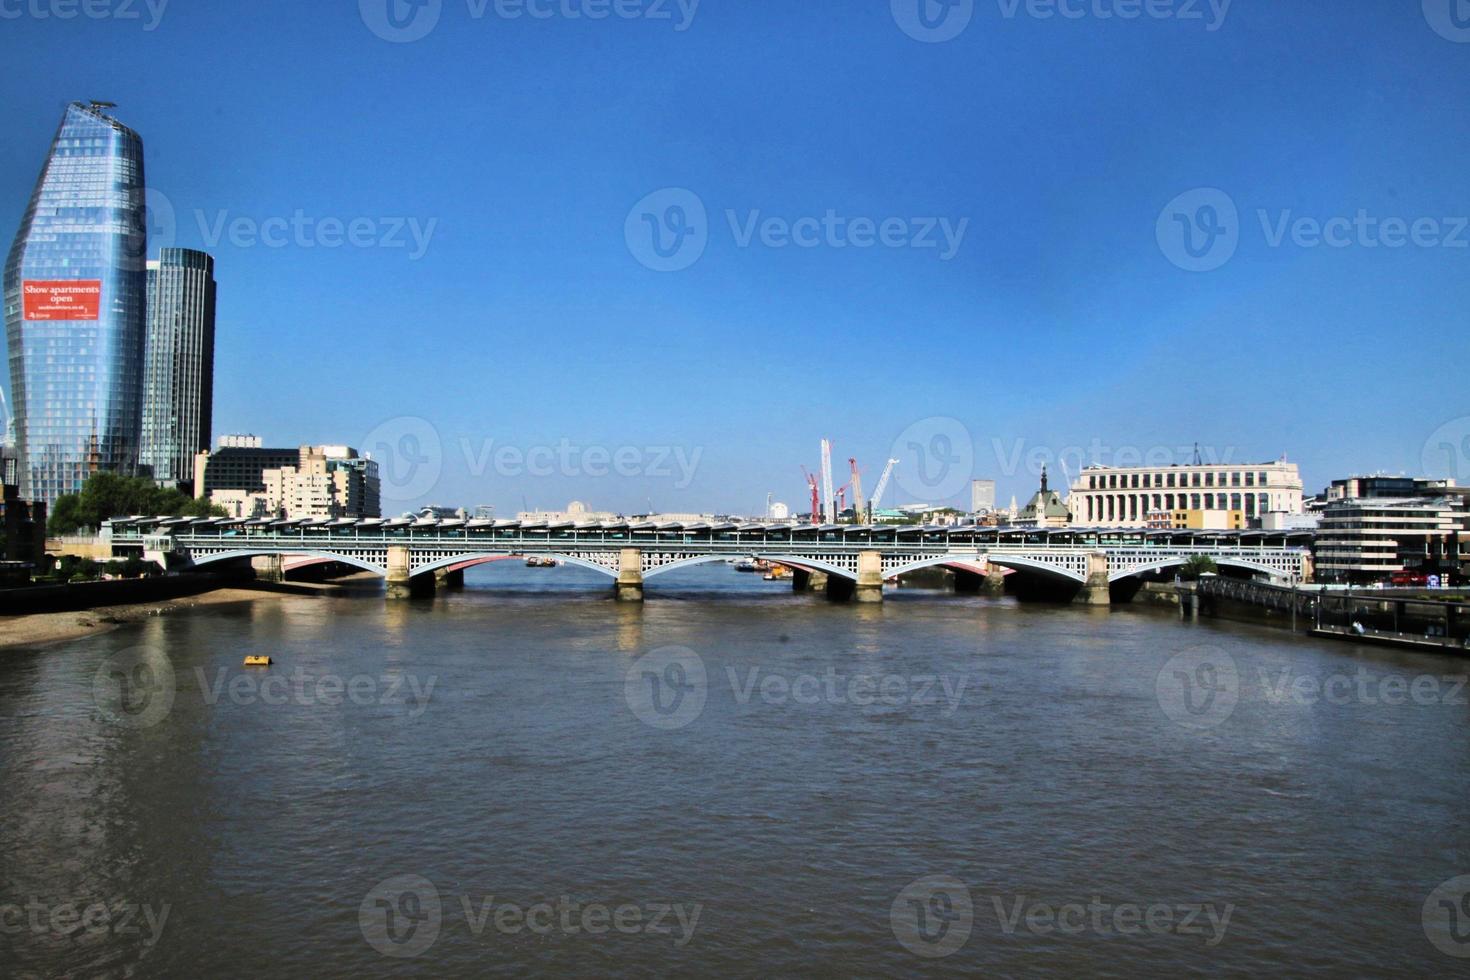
column 982, row 496
column 178, row 364
column 74, row 307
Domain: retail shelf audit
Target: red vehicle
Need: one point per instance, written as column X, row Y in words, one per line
column 1406, row 578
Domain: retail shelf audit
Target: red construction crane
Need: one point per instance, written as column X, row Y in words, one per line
column 811, row 481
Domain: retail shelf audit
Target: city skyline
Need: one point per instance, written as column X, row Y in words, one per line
column 1049, row 314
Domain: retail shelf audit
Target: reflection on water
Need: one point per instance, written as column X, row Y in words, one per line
column 729, row 779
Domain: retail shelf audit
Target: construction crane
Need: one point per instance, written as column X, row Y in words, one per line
column 858, row 504
column 829, row 499
column 882, row 485
column 811, row 482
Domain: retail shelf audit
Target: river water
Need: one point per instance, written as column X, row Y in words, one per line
column 729, row 780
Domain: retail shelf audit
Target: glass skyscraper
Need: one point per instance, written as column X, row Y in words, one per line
column 178, row 364
column 74, row 307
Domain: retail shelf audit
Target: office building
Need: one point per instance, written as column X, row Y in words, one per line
column 74, row 307
column 982, row 496
column 1105, row 496
column 178, row 365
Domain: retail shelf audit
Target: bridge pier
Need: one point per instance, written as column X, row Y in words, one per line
column 449, row 580
column 268, row 568
column 1096, row 591
column 804, row 581
column 401, row 584
column 869, row 587
column 630, row 576
column 995, row 582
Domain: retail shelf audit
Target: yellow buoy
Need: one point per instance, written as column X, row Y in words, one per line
column 257, row 660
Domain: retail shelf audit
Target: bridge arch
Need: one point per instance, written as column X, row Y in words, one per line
column 948, row 561
column 315, row 556
column 1179, row 560
column 1020, row 563
column 808, row 564
column 469, row 560
column 683, row 563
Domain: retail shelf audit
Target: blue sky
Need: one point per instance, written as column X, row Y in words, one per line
column 1064, row 148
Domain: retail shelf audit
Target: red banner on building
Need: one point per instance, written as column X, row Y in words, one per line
column 62, row 299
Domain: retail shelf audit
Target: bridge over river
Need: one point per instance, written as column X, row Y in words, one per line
column 849, row 560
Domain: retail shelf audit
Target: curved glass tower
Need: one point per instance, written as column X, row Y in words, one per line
column 74, row 307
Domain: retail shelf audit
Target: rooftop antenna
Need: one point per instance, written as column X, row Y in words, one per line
column 1197, row 460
